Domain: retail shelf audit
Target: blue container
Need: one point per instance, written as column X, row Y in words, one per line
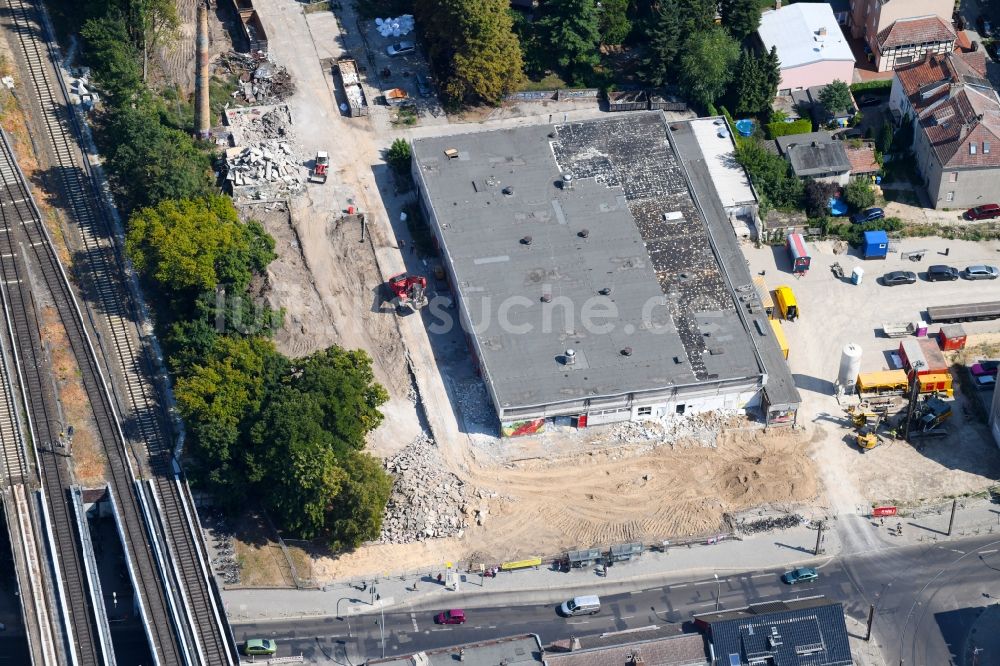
column 838, row 207
column 745, row 127
column 875, row 245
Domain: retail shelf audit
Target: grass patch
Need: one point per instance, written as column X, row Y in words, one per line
column 550, row 81
column 406, row 116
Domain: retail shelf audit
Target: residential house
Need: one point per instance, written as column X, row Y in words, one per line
column 810, row 45
column 810, row 631
column 816, row 155
column 908, row 40
column 861, row 155
column 955, row 114
column 869, row 19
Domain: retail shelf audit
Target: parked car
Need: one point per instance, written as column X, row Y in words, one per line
column 985, row 382
column 868, row 215
column 984, row 212
column 424, row 86
column 401, row 48
column 450, row 617
column 800, row 575
column 984, row 368
column 981, row 272
column 255, row 646
column 870, row 100
column 892, row 278
column 940, row 272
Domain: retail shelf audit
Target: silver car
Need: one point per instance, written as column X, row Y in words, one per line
column 981, row 272
column 400, row 48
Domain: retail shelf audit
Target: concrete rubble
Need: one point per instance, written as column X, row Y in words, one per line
column 703, row 428
column 263, row 163
column 260, row 79
column 427, row 500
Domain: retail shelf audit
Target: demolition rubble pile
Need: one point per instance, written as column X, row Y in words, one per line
column 260, row 79
column 703, row 428
column 263, row 165
column 427, row 501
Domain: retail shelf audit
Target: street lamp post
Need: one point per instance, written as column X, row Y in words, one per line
column 718, row 591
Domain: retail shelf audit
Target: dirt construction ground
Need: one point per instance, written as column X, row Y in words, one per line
column 558, row 491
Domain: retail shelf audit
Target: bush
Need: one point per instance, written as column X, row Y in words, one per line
column 883, row 86
column 859, row 194
column 776, row 129
column 399, row 156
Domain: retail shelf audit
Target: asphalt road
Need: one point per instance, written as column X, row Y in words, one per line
column 925, row 598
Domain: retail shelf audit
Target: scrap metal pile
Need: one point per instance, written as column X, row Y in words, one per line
column 261, row 80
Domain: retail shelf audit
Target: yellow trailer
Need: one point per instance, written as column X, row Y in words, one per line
column 884, row 382
column 786, row 303
column 779, row 335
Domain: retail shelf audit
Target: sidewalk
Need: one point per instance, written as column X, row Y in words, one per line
column 774, row 550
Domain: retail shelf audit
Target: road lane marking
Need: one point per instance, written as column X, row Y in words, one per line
column 988, row 552
column 626, row 617
column 762, row 575
column 710, row 603
column 413, row 617
column 677, row 587
column 956, row 550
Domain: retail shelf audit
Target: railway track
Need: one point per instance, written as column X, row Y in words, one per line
column 102, row 274
column 42, row 415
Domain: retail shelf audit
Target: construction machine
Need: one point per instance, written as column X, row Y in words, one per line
column 409, row 291
column 320, row 167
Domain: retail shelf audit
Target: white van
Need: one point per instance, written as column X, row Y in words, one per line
column 581, row 606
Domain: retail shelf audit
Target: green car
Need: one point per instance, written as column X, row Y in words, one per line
column 255, row 646
column 800, row 575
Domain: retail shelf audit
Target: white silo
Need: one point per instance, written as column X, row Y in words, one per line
column 850, row 366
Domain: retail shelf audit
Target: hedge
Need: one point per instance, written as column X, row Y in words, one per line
column 803, row 126
column 868, row 86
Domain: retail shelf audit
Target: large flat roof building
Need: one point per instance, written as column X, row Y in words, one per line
column 601, row 296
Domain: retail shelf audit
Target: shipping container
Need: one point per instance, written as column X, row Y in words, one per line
column 936, row 382
column 951, row 337
column 885, row 382
column 787, row 306
column 923, row 353
column 779, row 335
column 796, row 244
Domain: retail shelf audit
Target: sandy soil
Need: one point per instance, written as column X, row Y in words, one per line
column 617, row 494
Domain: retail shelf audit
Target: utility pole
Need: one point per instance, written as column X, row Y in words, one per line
column 951, row 522
column 819, row 538
column 871, row 618
column 718, row 592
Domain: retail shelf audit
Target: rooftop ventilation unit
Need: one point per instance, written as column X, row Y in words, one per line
column 583, row 233
column 526, row 240
column 569, row 357
column 452, row 153
column 567, row 181
column 508, row 191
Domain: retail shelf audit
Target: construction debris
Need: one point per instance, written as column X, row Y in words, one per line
column 427, row 501
column 260, row 79
column 263, row 163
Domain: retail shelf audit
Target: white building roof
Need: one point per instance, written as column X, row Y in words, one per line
column 729, row 178
column 797, row 32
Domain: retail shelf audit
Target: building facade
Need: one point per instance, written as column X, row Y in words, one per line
column 811, row 47
column 870, row 17
column 908, row 40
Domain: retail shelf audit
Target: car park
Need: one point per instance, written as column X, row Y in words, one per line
column 800, row 575
column 984, row 212
column 455, row 616
column 892, row 278
column 868, row 215
column 400, row 48
column 940, row 272
column 259, row 646
column 981, row 272
column 424, row 86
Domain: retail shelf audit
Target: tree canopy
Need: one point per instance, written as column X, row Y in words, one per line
column 196, row 245
column 570, row 29
column 771, row 174
column 836, row 97
column 740, row 17
column 859, row 194
column 615, row 24
column 707, row 65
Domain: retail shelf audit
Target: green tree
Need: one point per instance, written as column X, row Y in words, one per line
column 859, row 194
column 663, row 45
column 770, row 66
column 472, row 47
column 885, row 135
column 615, row 24
column 836, row 97
column 750, row 88
column 740, row 17
column 356, row 516
column 771, row 174
column 114, row 61
column 707, row 65
column 195, row 245
column 399, row 156
column 571, row 30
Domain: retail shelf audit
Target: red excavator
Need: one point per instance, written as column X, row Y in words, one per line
column 409, row 291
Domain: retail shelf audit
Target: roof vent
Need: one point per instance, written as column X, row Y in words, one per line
column 604, row 291
column 546, row 298
column 509, row 191
column 821, row 32
column 526, row 240
column 627, row 351
column 583, row 233
column 567, row 181
column 452, row 153
column 569, row 357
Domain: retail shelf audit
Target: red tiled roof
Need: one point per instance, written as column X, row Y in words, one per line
column 922, row 30
column 862, row 159
column 962, row 42
column 950, row 67
column 969, row 117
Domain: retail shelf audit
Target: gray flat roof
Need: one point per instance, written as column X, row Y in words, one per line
column 516, row 650
column 647, row 243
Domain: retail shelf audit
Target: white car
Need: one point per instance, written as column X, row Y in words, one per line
column 400, row 48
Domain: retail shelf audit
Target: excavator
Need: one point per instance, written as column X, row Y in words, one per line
column 409, row 291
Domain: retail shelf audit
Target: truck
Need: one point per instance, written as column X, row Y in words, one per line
column 799, row 253
column 354, row 94
column 320, row 167
column 787, row 306
column 899, row 329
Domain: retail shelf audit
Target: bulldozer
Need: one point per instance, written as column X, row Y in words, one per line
column 408, row 291
column 320, row 167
